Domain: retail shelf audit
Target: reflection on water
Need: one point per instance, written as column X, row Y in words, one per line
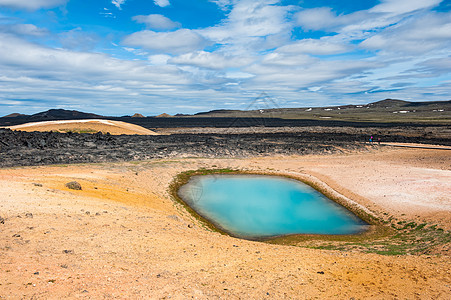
column 256, row 206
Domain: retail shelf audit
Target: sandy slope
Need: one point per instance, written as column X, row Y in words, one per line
column 122, row 236
column 91, row 125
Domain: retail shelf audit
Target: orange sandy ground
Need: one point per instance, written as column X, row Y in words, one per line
column 93, row 126
column 123, row 237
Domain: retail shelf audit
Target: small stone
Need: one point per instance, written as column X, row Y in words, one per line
column 174, row 217
column 73, row 185
column 37, row 184
column 68, row 251
column 36, row 273
column 320, row 272
column 16, row 235
column 29, row 215
column 64, row 266
column 2, row 221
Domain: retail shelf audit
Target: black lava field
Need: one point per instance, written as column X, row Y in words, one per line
column 44, row 148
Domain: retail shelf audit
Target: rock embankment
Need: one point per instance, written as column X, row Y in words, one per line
column 42, row 148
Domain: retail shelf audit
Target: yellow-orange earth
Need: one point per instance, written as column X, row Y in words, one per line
column 85, row 126
column 122, row 236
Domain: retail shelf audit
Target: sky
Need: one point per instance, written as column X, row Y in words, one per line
column 119, row 57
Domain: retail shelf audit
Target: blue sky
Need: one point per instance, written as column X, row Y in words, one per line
column 118, row 57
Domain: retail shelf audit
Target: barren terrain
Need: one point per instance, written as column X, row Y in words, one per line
column 122, row 236
column 84, row 126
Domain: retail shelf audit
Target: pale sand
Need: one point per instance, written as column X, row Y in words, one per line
column 136, row 243
column 92, row 125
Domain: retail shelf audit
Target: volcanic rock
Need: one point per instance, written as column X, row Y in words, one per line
column 73, row 185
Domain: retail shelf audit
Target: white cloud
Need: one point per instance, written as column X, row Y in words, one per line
column 252, row 19
column 287, row 60
column 176, row 42
column 317, row 18
column 431, row 32
column 386, row 13
column 316, row 47
column 304, row 74
column 22, row 57
column 159, row 59
column 402, row 6
column 209, row 60
column 223, row 4
column 77, row 39
column 435, row 66
column 23, row 29
column 158, row 22
column 162, row 3
column 32, row 4
column 252, row 26
column 118, row 3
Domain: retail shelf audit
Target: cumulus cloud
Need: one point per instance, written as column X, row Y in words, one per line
column 31, row 4
column 252, row 26
column 175, row 42
column 276, row 59
column 210, row 60
column 316, row 47
column 251, row 19
column 162, row 3
column 159, row 59
column 60, row 76
column 158, row 22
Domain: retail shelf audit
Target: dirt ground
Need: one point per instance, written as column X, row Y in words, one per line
column 88, row 126
column 122, row 236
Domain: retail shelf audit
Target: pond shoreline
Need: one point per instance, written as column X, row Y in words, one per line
column 374, row 230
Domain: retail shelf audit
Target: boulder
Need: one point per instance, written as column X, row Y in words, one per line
column 73, row 185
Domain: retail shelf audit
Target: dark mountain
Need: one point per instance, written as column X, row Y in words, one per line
column 14, row 115
column 62, row 114
column 218, row 111
column 389, row 103
column 49, row 115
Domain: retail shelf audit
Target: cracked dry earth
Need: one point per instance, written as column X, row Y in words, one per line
column 122, row 236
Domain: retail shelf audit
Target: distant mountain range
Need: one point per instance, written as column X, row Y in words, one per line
column 380, row 111
column 387, row 104
column 55, row 114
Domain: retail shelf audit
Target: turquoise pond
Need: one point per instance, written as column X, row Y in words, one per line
column 258, row 206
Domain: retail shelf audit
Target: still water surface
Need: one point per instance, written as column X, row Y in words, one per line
column 257, row 206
